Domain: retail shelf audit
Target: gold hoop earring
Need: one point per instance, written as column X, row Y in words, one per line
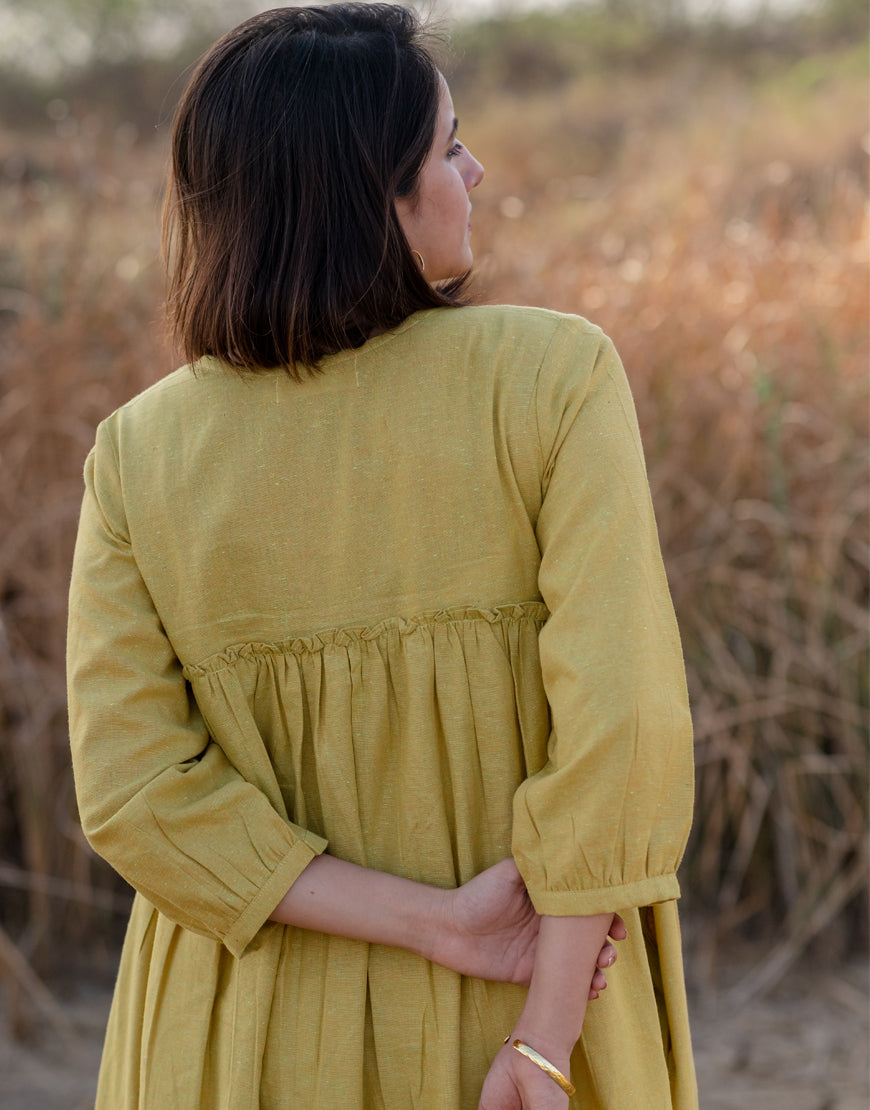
column 419, row 258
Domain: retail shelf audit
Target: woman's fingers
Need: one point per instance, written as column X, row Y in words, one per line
column 599, row 983
column 618, row 930
column 607, row 956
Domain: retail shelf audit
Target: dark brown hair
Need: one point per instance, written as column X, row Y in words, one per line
column 294, row 137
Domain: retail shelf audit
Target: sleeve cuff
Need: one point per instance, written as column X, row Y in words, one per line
column 612, row 899
column 256, row 913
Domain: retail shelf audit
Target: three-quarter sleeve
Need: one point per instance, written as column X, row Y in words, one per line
column 158, row 798
column 603, row 824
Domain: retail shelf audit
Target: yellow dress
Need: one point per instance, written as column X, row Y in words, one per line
column 414, row 609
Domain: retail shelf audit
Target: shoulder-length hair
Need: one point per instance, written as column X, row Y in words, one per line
column 298, row 130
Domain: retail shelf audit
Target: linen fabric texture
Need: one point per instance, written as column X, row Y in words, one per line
column 414, row 609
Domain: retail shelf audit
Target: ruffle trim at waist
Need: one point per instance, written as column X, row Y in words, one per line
column 534, row 611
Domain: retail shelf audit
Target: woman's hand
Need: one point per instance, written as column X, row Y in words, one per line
column 515, row 1083
column 490, row 930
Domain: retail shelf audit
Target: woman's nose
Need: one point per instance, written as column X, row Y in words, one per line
column 474, row 175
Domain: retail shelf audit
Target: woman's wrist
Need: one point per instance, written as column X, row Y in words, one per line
column 554, row 1041
column 555, row 1066
column 440, row 939
column 429, row 922
column 413, row 915
column 550, row 1032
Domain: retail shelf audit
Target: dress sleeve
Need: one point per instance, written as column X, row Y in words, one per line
column 157, row 796
column 603, row 824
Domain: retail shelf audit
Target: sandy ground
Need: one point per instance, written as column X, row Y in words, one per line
column 803, row 1047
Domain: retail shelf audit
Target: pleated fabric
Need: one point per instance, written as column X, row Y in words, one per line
column 411, row 612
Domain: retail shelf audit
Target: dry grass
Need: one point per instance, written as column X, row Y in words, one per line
column 79, row 298
column 716, row 227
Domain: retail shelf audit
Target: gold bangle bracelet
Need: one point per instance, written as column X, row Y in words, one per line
column 544, row 1064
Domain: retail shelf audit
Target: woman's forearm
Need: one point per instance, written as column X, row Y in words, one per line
column 565, row 961
column 341, row 898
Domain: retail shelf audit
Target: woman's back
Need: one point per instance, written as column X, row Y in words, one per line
column 404, row 478
column 349, row 570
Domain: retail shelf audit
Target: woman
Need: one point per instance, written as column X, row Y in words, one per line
column 367, row 601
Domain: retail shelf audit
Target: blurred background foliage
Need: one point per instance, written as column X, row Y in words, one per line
column 698, row 188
